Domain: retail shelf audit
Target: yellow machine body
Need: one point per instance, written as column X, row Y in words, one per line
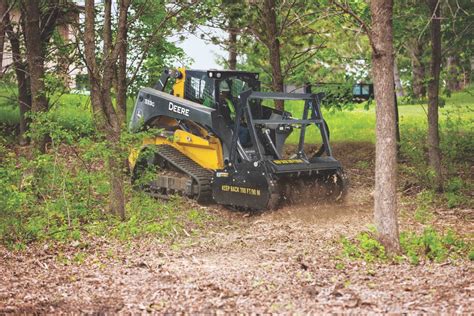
column 207, row 152
column 178, row 87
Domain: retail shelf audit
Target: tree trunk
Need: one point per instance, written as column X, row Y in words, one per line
column 24, row 100
column 398, row 81
column 434, row 152
column 385, row 200
column 22, row 77
column 35, row 57
column 466, row 75
column 418, row 69
column 117, row 193
column 106, row 117
column 107, row 30
column 453, row 74
column 232, row 45
column 273, row 44
column 122, row 82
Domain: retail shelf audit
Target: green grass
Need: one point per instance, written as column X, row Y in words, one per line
column 9, row 111
column 72, row 111
column 359, row 124
column 356, row 125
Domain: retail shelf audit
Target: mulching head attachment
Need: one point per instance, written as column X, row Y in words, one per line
column 262, row 164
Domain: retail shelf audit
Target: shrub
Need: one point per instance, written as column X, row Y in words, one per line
column 432, row 245
column 365, row 247
column 63, row 194
column 429, row 245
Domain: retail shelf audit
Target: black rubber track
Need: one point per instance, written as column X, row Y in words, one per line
column 200, row 175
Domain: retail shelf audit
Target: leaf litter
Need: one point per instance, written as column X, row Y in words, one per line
column 284, row 261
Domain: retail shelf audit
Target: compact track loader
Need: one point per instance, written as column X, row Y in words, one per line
column 218, row 139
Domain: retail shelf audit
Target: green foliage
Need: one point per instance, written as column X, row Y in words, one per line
column 365, row 247
column 457, row 192
column 337, row 96
column 433, row 245
column 72, row 112
column 51, row 195
column 63, row 195
column 153, row 25
column 457, row 133
column 424, row 202
column 146, row 217
column 312, row 48
column 429, row 245
column 457, row 130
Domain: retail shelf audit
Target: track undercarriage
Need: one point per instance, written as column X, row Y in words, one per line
column 172, row 173
column 169, row 172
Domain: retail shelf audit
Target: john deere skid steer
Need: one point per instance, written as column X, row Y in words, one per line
column 219, row 139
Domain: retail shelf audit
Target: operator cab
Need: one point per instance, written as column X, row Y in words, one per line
column 220, row 90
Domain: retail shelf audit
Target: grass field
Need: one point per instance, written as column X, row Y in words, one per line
column 73, row 112
column 358, row 124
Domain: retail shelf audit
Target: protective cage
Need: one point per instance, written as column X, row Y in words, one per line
column 257, row 176
column 269, row 128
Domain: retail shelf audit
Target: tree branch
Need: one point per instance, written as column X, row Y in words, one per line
column 346, row 9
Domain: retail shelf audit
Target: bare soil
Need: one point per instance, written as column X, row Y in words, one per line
column 284, row 261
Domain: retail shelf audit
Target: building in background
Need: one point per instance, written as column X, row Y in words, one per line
column 69, row 68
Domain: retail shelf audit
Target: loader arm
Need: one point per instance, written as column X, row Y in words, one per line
column 152, row 103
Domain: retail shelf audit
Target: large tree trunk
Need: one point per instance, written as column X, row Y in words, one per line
column 418, row 69
column 385, row 206
column 453, row 73
column 398, row 81
column 35, row 55
column 434, row 152
column 273, row 44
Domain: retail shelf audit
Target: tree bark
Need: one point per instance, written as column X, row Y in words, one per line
column 273, row 44
column 122, row 80
column 24, row 100
column 385, row 199
column 35, row 57
column 106, row 117
column 398, row 81
column 107, row 30
column 22, row 77
column 434, row 152
column 418, row 69
column 122, row 85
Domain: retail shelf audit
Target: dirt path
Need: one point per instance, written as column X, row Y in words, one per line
column 283, row 261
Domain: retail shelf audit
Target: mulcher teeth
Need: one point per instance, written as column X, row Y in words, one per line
column 322, row 188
